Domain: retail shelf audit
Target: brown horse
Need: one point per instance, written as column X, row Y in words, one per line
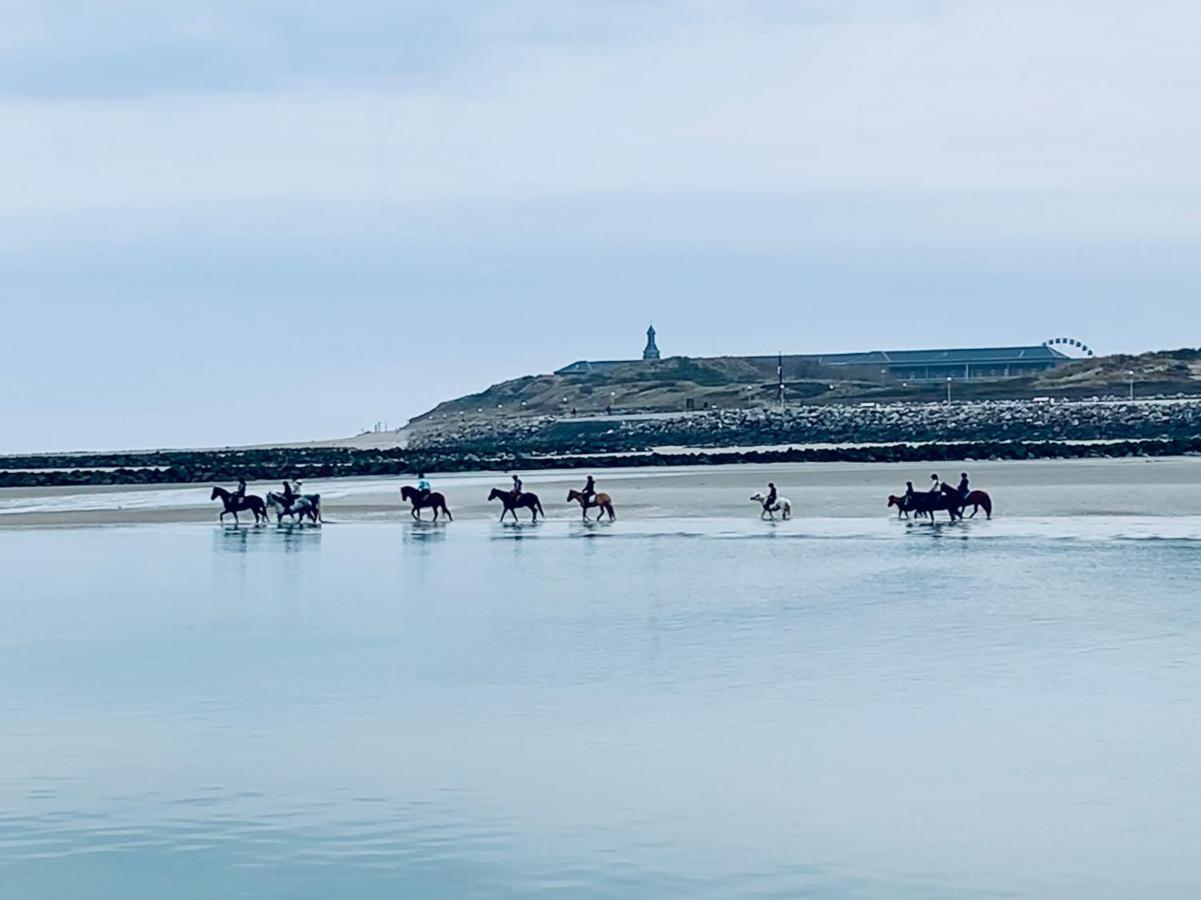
column 602, row 501
column 511, row 504
column 433, row 500
column 978, row 500
column 236, row 505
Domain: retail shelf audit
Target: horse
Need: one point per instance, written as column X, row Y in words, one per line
column 250, row 502
column 601, row 501
column 304, row 505
column 905, row 506
column 977, row 500
column 783, row 504
column 525, row 500
column 929, row 503
column 433, row 500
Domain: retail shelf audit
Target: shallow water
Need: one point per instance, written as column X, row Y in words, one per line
column 835, row 708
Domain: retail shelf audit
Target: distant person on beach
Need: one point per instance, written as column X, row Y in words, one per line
column 589, row 491
column 769, row 502
column 423, row 485
column 240, row 490
column 964, row 489
column 516, row 487
column 935, row 484
column 289, row 495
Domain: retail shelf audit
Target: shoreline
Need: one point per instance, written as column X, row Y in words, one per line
column 1146, row 486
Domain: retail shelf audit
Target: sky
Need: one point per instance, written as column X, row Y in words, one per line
column 244, row 222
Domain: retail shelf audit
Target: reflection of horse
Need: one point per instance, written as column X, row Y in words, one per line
column 977, row 500
column 433, row 500
column 306, row 505
column 236, row 505
column 511, row 504
column 782, row 505
column 601, row 501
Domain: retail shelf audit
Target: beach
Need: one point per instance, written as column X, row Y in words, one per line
column 1093, row 487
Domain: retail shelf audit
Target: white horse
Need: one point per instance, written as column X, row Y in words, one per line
column 307, row 505
column 782, row 505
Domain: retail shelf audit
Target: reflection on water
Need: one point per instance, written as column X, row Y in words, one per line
column 834, row 708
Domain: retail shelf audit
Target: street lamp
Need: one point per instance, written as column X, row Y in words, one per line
column 948, row 389
column 1130, row 375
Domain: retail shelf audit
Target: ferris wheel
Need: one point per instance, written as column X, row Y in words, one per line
column 1070, row 347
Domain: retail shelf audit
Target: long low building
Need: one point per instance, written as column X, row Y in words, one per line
column 904, row 365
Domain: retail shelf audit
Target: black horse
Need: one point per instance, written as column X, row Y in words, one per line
column 525, row 501
column 929, row 503
column 235, row 505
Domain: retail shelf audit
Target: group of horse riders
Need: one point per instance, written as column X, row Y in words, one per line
column 424, row 489
column 941, row 496
column 291, row 492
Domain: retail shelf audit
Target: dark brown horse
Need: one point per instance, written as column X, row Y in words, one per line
column 601, row 501
column 432, row 500
column 977, row 500
column 511, row 504
column 239, row 504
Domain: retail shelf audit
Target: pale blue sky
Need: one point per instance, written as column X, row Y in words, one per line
column 277, row 221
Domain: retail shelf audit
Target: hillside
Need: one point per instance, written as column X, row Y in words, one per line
column 676, row 384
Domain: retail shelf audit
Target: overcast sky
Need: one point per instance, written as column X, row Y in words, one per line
column 256, row 221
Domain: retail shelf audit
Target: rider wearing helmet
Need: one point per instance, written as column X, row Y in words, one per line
column 964, row 489
column 516, row 487
column 423, row 485
column 240, row 491
column 589, row 491
column 769, row 503
column 289, row 495
column 935, row 484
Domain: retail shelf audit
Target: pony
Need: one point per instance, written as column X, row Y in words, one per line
column 601, row 501
column 433, row 500
column 305, row 505
column 511, row 504
column 928, row 503
column 250, row 502
column 782, row 504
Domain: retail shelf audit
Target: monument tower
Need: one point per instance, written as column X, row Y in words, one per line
column 652, row 350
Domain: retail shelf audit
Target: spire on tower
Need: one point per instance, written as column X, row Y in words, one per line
column 652, row 350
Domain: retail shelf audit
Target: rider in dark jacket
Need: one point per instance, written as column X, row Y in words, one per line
column 289, row 494
column 964, row 489
column 516, row 487
column 589, row 491
column 240, row 492
column 769, row 502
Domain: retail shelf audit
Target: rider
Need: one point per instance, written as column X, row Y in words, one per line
column 289, row 494
column 516, row 487
column 964, row 490
column 935, row 484
column 423, row 485
column 240, row 492
column 589, row 491
column 769, row 502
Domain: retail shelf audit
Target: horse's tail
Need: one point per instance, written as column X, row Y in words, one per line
column 539, row 504
column 986, row 502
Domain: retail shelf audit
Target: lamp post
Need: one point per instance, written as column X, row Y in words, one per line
column 948, row 390
column 1130, row 375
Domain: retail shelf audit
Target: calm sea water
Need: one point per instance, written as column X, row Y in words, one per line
column 679, row 709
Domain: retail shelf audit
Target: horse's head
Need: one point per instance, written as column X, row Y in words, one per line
column 493, row 494
column 893, row 500
column 215, row 494
column 572, row 495
column 758, row 497
column 406, row 491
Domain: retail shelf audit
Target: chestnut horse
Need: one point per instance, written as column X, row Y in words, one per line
column 601, row 501
column 433, row 500
column 511, row 504
column 977, row 500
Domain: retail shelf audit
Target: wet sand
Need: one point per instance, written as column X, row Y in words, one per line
column 1122, row 487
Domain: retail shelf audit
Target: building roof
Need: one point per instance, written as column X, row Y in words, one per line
column 1035, row 353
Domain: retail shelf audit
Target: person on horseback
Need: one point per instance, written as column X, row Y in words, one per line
column 935, row 484
column 423, row 485
column 289, row 495
column 769, row 502
column 964, row 489
column 516, row 487
column 239, row 493
column 589, row 491
column 909, row 492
